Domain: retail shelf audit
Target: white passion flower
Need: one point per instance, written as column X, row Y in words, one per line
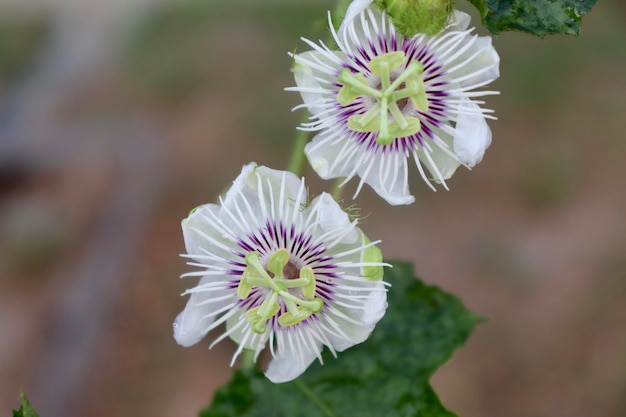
column 280, row 271
column 383, row 98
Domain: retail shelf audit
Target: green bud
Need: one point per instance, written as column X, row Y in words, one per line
column 411, row 17
column 371, row 254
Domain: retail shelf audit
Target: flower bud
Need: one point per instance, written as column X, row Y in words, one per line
column 411, row 17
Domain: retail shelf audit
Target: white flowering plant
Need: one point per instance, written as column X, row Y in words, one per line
column 281, row 272
column 323, row 323
column 384, row 98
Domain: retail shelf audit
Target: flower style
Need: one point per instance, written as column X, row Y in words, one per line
column 282, row 272
column 383, row 98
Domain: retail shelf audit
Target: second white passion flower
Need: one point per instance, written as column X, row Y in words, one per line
column 280, row 272
column 383, row 99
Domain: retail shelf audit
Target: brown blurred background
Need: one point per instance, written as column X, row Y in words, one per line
column 118, row 117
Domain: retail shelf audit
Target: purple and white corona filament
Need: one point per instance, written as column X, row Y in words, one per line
column 383, row 98
column 280, row 271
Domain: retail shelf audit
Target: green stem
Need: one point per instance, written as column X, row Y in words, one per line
column 311, row 395
column 247, row 360
column 337, row 190
column 296, row 159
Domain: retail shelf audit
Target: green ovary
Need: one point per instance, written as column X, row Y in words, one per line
column 298, row 309
column 391, row 96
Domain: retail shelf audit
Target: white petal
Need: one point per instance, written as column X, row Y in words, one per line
column 355, row 334
column 193, row 225
column 201, row 235
column 276, row 177
column 241, row 180
column 442, row 162
column 361, row 31
column 396, row 199
column 441, row 159
column 239, row 331
column 322, row 155
column 355, row 8
column 191, row 325
column 472, row 136
column 459, row 20
column 308, row 77
column 480, row 60
column 286, row 366
column 250, row 197
column 247, row 183
column 373, row 309
column 379, row 174
column 333, row 218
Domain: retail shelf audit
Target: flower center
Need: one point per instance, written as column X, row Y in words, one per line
column 391, row 95
column 280, row 276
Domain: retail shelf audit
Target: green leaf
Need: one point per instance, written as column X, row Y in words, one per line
column 387, row 376
column 26, row 410
column 538, row 17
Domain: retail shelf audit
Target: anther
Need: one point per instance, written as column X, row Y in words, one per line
column 298, row 309
column 386, row 116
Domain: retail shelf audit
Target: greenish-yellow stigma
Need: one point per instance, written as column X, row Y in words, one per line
column 394, row 90
column 298, row 309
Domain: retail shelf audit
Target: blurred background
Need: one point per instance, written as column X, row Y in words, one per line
column 118, row 117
